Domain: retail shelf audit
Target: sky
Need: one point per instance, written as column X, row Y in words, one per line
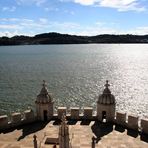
column 78, row 17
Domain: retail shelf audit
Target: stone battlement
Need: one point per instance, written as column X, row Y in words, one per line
column 28, row 116
column 16, row 119
column 105, row 112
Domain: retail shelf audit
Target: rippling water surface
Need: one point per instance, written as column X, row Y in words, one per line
column 75, row 74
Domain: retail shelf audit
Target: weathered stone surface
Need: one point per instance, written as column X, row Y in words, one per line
column 75, row 113
column 106, row 105
column 133, row 122
column 88, row 112
column 144, row 125
column 44, row 104
column 29, row 115
column 109, row 111
column 80, row 135
column 121, row 118
column 61, row 111
column 3, row 121
column 16, row 118
column 64, row 134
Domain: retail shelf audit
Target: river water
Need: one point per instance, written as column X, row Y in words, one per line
column 75, row 75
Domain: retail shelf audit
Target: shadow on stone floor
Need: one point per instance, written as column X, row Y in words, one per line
column 101, row 129
column 132, row 133
column 8, row 130
column 31, row 128
column 57, row 122
column 119, row 128
column 69, row 122
column 72, row 122
column 85, row 122
column 144, row 137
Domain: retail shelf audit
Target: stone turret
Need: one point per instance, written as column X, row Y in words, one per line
column 44, row 104
column 64, row 134
column 106, row 105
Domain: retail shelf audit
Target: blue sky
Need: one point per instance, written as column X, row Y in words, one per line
column 79, row 17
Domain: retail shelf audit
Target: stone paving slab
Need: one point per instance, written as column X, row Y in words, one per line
column 80, row 135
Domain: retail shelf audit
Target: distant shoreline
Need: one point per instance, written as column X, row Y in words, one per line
column 57, row 38
column 68, row 44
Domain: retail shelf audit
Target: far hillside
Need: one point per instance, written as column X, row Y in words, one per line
column 57, row 38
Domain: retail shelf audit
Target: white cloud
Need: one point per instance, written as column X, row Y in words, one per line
column 100, row 23
column 65, row 25
column 51, row 9
column 26, row 20
column 86, row 2
column 43, row 20
column 39, row 2
column 110, row 30
column 24, row 26
column 37, row 26
column 120, row 5
column 95, row 30
column 140, row 30
column 11, row 9
column 16, row 23
column 7, row 33
column 30, row 2
column 69, row 12
column 9, row 26
column 9, row 19
column 72, row 12
column 16, row 32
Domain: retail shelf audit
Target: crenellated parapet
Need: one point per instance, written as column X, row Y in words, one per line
column 106, row 107
column 131, row 122
column 120, row 118
column 87, row 113
column 3, row 121
column 77, row 114
column 16, row 119
column 144, row 125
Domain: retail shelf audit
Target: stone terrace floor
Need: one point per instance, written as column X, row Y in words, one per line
column 81, row 134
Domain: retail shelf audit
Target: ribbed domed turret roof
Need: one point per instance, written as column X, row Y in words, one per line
column 44, row 96
column 106, row 97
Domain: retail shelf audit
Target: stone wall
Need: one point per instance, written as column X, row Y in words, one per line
column 122, row 119
column 132, row 122
column 16, row 119
column 109, row 112
column 144, row 126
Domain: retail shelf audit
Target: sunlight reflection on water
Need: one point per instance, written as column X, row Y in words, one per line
column 75, row 74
